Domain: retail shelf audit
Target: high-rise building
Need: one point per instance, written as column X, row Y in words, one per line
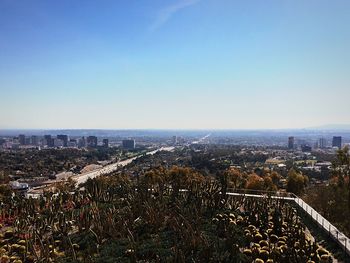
column 27, row 141
column 336, row 141
column 105, row 143
column 91, row 141
column 49, row 141
column 129, row 144
column 291, row 143
column 35, row 140
column 22, row 139
column 82, row 142
column 64, row 139
column 72, row 143
column 58, row 142
column 174, row 140
column 322, row 143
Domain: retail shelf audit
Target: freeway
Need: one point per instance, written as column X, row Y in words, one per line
column 82, row 178
column 201, row 139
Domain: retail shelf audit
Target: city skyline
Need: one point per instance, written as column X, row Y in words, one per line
column 183, row 64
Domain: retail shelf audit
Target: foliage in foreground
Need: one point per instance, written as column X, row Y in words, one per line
column 333, row 200
column 153, row 219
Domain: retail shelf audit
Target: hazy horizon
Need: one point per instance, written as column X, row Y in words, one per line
column 328, row 127
column 179, row 64
column 321, row 127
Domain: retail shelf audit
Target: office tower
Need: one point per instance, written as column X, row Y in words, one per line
column 35, row 140
column 2, row 143
column 27, row 141
column 49, row 141
column 291, row 143
column 336, row 141
column 58, row 142
column 64, row 139
column 72, row 143
column 129, row 144
column 91, row 141
column 174, row 140
column 105, row 143
column 82, row 142
column 22, row 139
column 322, row 143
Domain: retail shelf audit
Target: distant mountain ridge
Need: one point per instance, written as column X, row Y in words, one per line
column 331, row 127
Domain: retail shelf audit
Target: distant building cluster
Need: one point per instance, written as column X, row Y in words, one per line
column 177, row 140
column 322, row 143
column 49, row 141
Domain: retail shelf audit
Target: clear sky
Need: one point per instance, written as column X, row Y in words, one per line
column 236, row 64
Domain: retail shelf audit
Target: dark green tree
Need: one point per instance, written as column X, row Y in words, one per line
column 341, row 169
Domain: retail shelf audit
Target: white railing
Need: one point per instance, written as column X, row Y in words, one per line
column 333, row 232
column 342, row 240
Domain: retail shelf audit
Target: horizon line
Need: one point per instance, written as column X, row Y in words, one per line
column 181, row 129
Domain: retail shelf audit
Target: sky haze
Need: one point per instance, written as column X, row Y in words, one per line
column 188, row 64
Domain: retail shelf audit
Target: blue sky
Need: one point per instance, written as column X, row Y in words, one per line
column 199, row 64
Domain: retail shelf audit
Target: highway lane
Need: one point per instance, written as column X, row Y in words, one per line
column 82, row 178
column 201, row 139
